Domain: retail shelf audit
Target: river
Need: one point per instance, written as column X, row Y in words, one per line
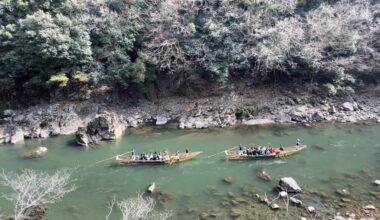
column 338, row 156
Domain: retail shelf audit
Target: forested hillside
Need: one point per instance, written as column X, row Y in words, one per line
column 47, row 45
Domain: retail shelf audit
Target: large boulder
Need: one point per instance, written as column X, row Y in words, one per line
column 106, row 126
column 161, row 120
column 34, row 152
column 288, row 184
column 317, row 116
column 81, row 136
column 17, row 135
column 348, row 106
column 9, row 113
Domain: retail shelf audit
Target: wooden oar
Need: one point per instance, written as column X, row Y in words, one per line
column 112, row 157
column 219, row 152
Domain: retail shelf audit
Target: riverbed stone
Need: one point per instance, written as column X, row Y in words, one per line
column 343, row 192
column 161, row 120
column 348, row 106
column 81, row 137
column 295, row 201
column 283, row 194
column 228, row 179
column 35, row 152
column 235, row 212
column 288, row 184
column 369, row 207
column 264, row 175
column 377, row 182
column 310, row 209
column 274, row 206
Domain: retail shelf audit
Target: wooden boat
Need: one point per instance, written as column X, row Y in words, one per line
column 173, row 158
column 235, row 155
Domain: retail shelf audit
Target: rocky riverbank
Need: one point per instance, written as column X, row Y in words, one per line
column 107, row 120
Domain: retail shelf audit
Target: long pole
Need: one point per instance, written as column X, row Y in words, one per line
column 112, row 157
column 220, row 152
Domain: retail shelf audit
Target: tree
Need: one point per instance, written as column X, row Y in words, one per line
column 33, row 189
column 40, row 38
column 113, row 26
column 138, row 208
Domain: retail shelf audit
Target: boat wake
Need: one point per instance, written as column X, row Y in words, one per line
column 267, row 163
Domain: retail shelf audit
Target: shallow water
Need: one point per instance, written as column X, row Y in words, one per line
column 334, row 152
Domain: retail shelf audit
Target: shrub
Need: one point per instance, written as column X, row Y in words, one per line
column 61, row 79
column 329, row 89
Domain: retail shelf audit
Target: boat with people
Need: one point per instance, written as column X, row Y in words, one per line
column 263, row 152
column 156, row 158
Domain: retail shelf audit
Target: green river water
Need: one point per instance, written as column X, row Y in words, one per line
column 334, row 152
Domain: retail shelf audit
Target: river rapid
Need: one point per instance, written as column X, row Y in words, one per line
column 339, row 156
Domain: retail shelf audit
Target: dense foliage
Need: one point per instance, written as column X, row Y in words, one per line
column 49, row 43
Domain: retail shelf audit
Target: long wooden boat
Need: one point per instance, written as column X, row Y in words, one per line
column 173, row 158
column 236, row 155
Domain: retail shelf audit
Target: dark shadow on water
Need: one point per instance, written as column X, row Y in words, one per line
column 317, row 147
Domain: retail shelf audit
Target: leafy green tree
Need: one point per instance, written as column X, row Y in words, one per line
column 39, row 38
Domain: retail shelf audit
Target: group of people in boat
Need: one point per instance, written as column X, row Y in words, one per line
column 156, row 156
column 255, row 151
column 263, row 150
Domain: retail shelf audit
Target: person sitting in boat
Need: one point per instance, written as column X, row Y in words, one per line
column 249, row 151
column 263, row 150
column 177, row 156
column 159, row 156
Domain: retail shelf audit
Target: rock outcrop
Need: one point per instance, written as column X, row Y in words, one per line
column 106, row 126
column 35, row 152
column 289, row 185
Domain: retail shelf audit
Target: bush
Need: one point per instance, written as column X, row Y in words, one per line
column 61, row 79
column 329, row 89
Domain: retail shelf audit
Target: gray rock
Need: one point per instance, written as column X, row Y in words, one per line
column 369, row 207
column 274, row 206
column 106, row 126
column 5, row 135
column 318, row 116
column 9, row 113
column 68, row 124
column 332, row 110
column 81, row 137
column 283, row 118
column 311, row 209
column 35, row 152
column 289, row 185
column 17, row 135
column 295, row 201
column 201, row 123
column 260, row 121
column 161, row 120
column 377, row 182
column 297, row 116
column 347, row 106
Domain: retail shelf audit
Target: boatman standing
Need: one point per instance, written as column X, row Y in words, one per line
column 298, row 143
column 133, row 154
